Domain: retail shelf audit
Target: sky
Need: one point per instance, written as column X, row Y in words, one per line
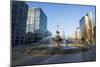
column 67, row 16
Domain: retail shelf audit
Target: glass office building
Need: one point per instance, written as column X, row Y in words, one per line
column 19, row 19
column 36, row 25
column 36, row 21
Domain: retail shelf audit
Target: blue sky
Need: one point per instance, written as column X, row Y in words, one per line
column 67, row 16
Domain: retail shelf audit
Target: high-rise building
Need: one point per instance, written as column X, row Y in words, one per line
column 86, row 28
column 18, row 25
column 77, row 33
column 36, row 25
column 37, row 21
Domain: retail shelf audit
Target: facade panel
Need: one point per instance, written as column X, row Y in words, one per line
column 19, row 18
column 37, row 21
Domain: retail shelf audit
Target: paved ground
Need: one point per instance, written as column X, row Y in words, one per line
column 76, row 57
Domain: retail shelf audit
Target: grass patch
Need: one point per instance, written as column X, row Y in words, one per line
column 39, row 47
column 76, row 45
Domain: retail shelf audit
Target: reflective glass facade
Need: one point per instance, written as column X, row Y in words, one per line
column 19, row 18
column 37, row 21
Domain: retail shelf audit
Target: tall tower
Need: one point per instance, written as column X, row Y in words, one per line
column 86, row 28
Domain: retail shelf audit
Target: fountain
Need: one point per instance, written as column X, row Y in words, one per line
column 46, row 41
column 58, row 40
